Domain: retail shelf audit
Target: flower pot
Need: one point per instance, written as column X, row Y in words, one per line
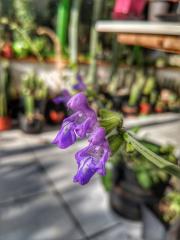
column 33, row 125
column 7, row 51
column 129, row 111
column 159, row 109
column 117, row 101
column 154, row 228
column 54, row 113
column 127, row 196
column 145, row 108
column 5, row 123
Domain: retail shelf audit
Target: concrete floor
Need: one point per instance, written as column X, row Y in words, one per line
column 38, row 200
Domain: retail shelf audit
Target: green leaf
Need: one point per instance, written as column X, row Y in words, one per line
column 115, row 141
column 144, row 180
column 110, row 120
column 152, row 157
column 107, row 179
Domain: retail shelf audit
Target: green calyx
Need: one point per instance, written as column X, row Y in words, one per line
column 110, row 120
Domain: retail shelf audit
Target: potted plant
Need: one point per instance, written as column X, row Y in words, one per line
column 135, row 180
column 162, row 221
column 34, row 94
column 146, row 103
column 5, row 121
column 135, row 95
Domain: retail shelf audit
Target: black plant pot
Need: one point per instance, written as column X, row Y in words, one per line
column 36, row 123
column 119, row 101
column 156, row 229
column 14, row 107
column 127, row 196
column 32, row 126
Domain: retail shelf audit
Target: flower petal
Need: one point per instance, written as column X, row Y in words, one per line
column 83, row 128
column 66, row 136
column 85, row 171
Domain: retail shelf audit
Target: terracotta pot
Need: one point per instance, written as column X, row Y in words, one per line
column 56, row 117
column 145, row 108
column 5, row 123
column 159, row 110
column 129, row 111
column 55, row 114
column 7, row 50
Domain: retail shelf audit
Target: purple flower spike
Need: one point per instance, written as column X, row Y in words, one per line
column 64, row 98
column 78, row 124
column 80, row 86
column 92, row 158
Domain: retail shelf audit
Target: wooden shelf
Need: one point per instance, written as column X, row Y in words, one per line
column 158, row 42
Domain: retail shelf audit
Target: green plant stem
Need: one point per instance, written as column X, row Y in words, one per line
column 29, row 105
column 152, row 157
column 97, row 10
column 73, row 31
column 62, row 22
column 115, row 55
column 3, row 91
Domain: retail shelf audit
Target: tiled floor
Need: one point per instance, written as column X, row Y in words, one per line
column 38, row 200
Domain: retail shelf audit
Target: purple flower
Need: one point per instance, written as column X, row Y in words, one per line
column 92, row 158
column 79, row 124
column 80, row 86
column 64, row 98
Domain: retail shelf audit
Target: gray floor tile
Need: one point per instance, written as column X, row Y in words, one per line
column 90, row 205
column 38, row 218
column 19, row 178
column 120, row 232
column 60, row 165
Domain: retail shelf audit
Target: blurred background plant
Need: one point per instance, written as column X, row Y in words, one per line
column 34, row 96
column 5, row 121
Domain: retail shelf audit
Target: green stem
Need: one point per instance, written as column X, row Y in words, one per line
column 3, row 91
column 97, row 10
column 73, row 31
column 62, row 22
column 152, row 157
column 29, row 105
column 115, row 55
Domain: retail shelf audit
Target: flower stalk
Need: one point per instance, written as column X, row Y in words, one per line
column 105, row 137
